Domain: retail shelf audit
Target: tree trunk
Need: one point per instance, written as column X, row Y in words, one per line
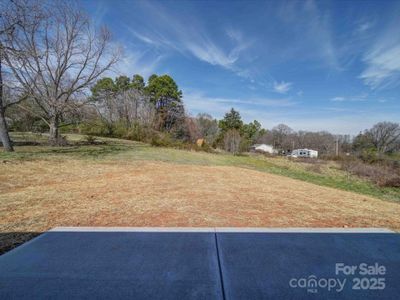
column 4, row 136
column 54, row 133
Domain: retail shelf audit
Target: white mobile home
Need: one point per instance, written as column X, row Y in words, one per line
column 304, row 153
column 263, row 148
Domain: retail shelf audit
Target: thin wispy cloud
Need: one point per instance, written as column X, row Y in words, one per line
column 282, row 87
column 100, row 13
column 364, row 26
column 144, row 38
column 313, row 31
column 320, row 30
column 197, row 100
column 205, row 50
column 357, row 98
column 338, row 99
column 235, row 34
column 382, row 60
column 383, row 66
column 137, row 62
column 171, row 32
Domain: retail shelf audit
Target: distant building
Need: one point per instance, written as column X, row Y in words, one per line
column 263, row 148
column 304, row 153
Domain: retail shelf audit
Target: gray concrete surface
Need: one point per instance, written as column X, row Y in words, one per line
column 262, row 265
column 112, row 265
column 199, row 263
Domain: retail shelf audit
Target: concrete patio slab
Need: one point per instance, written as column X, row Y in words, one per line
column 302, row 265
column 112, row 265
column 203, row 263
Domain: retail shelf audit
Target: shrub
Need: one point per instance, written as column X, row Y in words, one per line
column 90, row 139
column 206, row 148
column 96, row 127
column 369, row 155
column 61, row 141
column 390, row 181
column 379, row 173
column 140, row 133
column 120, row 130
column 72, row 128
column 161, row 140
column 316, row 168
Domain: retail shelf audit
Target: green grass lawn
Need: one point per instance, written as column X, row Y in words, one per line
column 327, row 173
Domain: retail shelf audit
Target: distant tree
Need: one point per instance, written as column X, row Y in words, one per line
column 104, row 85
column 233, row 123
column 266, row 137
column 191, row 130
column 138, row 82
column 232, row 141
column 281, row 136
column 251, row 131
column 162, row 88
column 231, row 120
column 208, row 127
column 363, row 141
column 151, row 78
column 103, row 99
column 138, row 85
column 345, row 143
column 167, row 98
column 122, row 83
column 25, row 119
column 385, row 136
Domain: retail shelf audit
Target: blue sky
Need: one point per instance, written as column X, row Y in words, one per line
column 313, row 65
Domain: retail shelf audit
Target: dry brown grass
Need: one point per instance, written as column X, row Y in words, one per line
column 38, row 195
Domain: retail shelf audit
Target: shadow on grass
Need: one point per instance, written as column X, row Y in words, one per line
column 86, row 150
column 11, row 240
column 74, row 150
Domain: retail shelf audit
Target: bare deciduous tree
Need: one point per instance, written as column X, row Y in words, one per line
column 232, row 141
column 60, row 56
column 14, row 16
column 281, row 133
column 208, row 127
column 385, row 136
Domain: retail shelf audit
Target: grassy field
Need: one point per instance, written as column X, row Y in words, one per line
column 125, row 183
column 322, row 173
